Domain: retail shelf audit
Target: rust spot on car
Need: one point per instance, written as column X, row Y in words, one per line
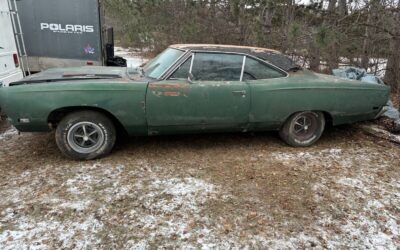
column 171, row 93
column 169, row 85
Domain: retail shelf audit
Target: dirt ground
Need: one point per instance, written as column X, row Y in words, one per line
column 236, row 191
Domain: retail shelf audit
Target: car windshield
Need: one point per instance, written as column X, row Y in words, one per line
column 162, row 62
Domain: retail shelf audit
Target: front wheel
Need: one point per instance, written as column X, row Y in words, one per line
column 85, row 135
column 303, row 129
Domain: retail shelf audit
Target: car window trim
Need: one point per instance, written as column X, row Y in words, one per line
column 191, row 63
column 189, row 53
column 166, row 70
column 243, row 65
column 175, row 69
column 206, row 52
column 285, row 74
column 174, row 66
column 248, row 55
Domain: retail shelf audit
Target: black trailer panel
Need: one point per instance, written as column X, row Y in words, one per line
column 62, row 32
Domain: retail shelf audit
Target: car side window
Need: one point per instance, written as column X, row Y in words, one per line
column 216, row 67
column 255, row 70
column 183, row 71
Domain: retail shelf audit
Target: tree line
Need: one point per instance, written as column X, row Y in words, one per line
column 318, row 34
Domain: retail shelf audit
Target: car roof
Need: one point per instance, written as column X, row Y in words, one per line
column 221, row 46
column 272, row 56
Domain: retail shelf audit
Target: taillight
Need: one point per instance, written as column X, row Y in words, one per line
column 89, row 63
column 16, row 61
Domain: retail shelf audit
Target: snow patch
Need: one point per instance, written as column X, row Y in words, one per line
column 333, row 157
column 133, row 59
column 361, row 216
column 333, row 153
column 174, row 205
column 8, row 133
column 28, row 233
column 76, row 205
column 352, row 182
column 74, row 216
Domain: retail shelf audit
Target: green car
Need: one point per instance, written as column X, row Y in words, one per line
column 187, row 88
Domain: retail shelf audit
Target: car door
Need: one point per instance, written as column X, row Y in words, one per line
column 204, row 93
column 271, row 99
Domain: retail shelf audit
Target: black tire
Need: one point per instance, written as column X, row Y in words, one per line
column 85, row 135
column 303, row 129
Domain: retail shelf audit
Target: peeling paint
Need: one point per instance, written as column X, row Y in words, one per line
column 171, row 93
column 169, row 85
column 168, row 93
column 169, row 89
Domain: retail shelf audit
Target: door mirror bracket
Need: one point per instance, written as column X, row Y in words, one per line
column 190, row 77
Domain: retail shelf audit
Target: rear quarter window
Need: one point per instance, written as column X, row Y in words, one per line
column 256, row 70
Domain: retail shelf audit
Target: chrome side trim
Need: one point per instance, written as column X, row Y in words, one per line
column 191, row 64
column 242, row 72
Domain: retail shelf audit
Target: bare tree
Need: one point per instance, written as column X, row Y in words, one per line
column 392, row 75
column 342, row 8
column 332, row 5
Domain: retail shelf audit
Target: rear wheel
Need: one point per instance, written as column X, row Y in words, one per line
column 303, row 129
column 85, row 135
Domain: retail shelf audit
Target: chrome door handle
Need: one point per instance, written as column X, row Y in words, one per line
column 239, row 92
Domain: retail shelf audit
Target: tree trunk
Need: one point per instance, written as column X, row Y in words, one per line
column 365, row 48
column 287, row 23
column 343, row 10
column 267, row 14
column 315, row 57
column 333, row 54
column 332, row 5
column 373, row 10
column 333, row 60
column 392, row 75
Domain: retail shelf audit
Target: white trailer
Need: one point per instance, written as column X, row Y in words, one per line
column 10, row 69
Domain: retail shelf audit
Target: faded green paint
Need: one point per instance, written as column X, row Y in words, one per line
column 124, row 100
column 347, row 101
column 174, row 106
column 197, row 106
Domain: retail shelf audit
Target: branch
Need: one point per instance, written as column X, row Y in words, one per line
column 381, row 28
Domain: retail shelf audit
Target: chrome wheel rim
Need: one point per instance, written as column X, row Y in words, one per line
column 304, row 126
column 85, row 137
